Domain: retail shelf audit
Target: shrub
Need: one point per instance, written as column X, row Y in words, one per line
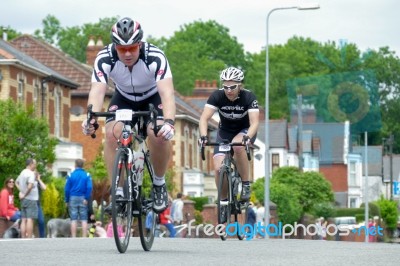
column 199, row 202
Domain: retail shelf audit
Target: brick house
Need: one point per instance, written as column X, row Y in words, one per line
column 25, row 80
column 79, row 73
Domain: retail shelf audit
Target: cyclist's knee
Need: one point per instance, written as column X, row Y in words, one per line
column 238, row 149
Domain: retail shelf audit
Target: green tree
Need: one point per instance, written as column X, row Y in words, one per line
column 389, row 212
column 289, row 209
column 98, row 168
column 23, row 136
column 295, row 193
column 51, row 29
column 200, row 50
column 11, row 33
column 311, row 187
column 52, row 201
column 71, row 39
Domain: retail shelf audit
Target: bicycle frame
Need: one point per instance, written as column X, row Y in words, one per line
column 232, row 206
column 134, row 202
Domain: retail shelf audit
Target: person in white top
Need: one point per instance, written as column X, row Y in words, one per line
column 260, row 218
column 27, row 185
column 177, row 209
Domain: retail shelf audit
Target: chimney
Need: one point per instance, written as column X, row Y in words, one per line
column 203, row 88
column 92, row 49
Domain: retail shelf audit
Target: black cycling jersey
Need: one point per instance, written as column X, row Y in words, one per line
column 234, row 116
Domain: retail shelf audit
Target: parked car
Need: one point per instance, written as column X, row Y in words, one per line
column 346, row 222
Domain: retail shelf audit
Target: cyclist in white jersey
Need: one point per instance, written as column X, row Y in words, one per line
column 141, row 74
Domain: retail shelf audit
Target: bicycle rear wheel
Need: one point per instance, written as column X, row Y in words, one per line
column 147, row 217
column 224, row 209
column 121, row 206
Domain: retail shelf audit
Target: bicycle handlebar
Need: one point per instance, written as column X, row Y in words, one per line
column 152, row 113
column 224, row 143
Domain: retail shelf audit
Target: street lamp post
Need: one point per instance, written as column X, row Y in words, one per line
column 267, row 168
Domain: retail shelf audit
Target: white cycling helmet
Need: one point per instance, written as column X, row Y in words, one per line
column 126, row 31
column 232, row 73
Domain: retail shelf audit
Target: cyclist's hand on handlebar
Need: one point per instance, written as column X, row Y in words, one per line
column 246, row 140
column 167, row 130
column 202, row 141
column 89, row 130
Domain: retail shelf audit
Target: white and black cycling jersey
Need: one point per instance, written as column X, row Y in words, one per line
column 138, row 84
column 234, row 116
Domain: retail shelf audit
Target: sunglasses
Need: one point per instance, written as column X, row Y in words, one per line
column 232, row 87
column 128, row 48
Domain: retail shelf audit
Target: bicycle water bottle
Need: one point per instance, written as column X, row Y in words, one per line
column 138, row 162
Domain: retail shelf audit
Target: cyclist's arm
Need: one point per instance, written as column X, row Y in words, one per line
column 208, row 112
column 254, row 121
column 96, row 95
column 167, row 95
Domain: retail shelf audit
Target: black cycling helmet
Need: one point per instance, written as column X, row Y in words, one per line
column 232, row 73
column 126, row 31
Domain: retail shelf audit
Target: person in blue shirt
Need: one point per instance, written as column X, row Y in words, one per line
column 78, row 191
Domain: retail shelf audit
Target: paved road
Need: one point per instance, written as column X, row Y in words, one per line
column 179, row 251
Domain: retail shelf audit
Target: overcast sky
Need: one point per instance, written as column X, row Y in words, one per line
column 367, row 23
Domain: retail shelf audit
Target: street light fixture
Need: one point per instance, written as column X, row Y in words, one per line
column 310, row 6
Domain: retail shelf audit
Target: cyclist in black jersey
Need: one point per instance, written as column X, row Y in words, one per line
column 141, row 74
column 239, row 119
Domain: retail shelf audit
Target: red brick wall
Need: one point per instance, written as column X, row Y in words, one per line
column 337, row 175
column 90, row 146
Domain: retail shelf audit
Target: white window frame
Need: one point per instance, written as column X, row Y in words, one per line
column 353, row 173
column 57, row 112
column 186, row 147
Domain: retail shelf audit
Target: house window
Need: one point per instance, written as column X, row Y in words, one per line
column 192, row 194
column 186, row 150
column 275, row 161
column 36, row 91
column 57, row 113
column 353, row 203
column 196, row 157
column 21, row 90
column 352, row 174
column 63, row 172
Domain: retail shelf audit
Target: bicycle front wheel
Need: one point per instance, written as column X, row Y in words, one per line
column 121, row 206
column 223, row 203
column 241, row 218
column 147, row 217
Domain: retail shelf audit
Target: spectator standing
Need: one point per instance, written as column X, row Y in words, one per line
column 78, row 191
column 28, row 195
column 251, row 215
column 7, row 207
column 40, row 220
column 177, row 209
column 260, row 218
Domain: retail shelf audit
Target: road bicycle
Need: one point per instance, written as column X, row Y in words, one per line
column 229, row 176
column 130, row 166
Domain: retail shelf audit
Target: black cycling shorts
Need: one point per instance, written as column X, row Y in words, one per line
column 227, row 135
column 120, row 102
